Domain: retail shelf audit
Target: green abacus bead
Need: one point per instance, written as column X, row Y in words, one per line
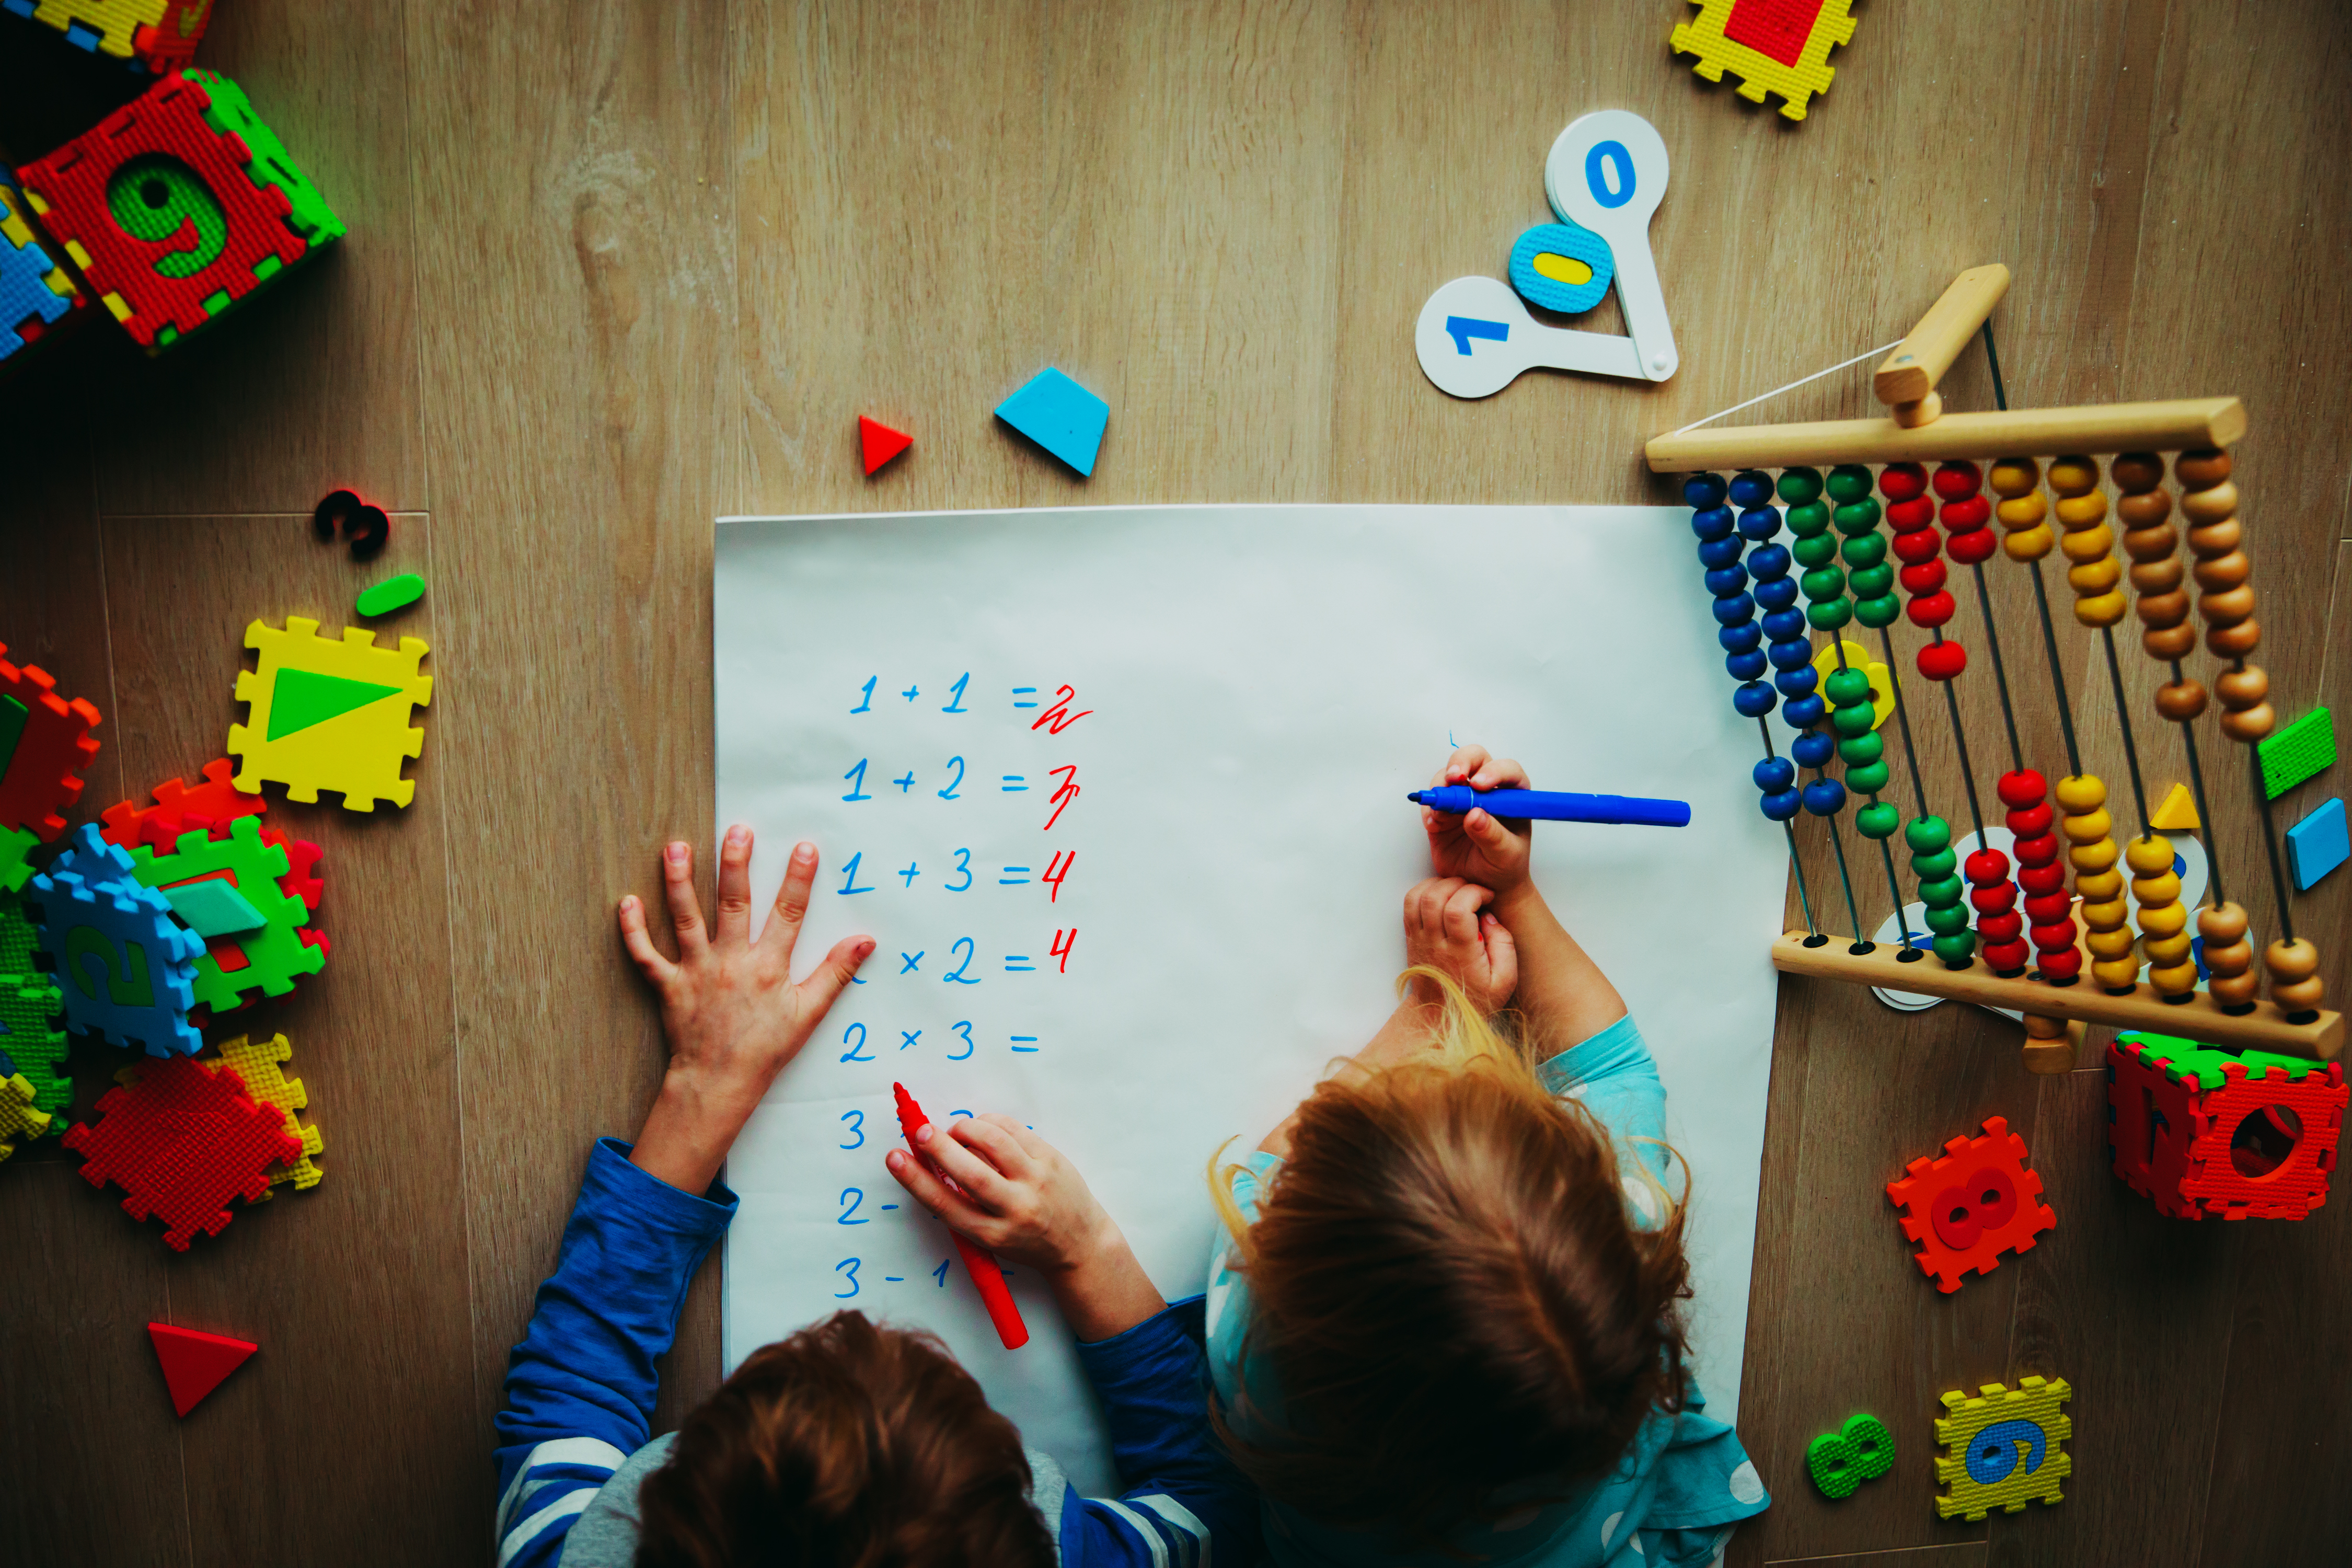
column 1819, row 550
column 1879, row 819
column 1958, row 948
column 1857, row 517
column 1944, row 892
column 1853, row 720
column 1869, row 778
column 1948, row 919
column 1798, row 486
column 1849, row 482
column 1874, row 581
column 1808, row 519
column 1878, row 612
column 1858, row 751
column 1823, row 583
column 1829, row 615
column 1936, row 864
column 1846, row 687
column 1864, row 550
column 1926, row 835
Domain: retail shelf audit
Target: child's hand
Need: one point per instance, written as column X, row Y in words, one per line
column 729, row 1008
column 1447, row 928
column 1023, row 1201
column 1477, row 846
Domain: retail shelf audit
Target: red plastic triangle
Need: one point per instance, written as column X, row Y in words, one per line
column 880, row 442
column 195, row 1362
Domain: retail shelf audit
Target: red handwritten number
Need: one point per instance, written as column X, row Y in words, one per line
column 1063, row 942
column 1057, row 868
column 1064, row 793
column 1059, row 715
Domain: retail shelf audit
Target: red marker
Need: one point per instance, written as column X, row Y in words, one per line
column 995, row 1294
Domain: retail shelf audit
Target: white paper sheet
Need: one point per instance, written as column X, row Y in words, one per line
column 1261, row 687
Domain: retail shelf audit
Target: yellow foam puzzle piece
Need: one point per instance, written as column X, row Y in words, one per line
column 256, row 1061
column 1882, row 685
column 2023, row 1416
column 2178, row 814
column 115, row 21
column 1702, row 35
column 357, row 753
column 16, row 1113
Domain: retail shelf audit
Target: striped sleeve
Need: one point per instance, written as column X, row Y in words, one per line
column 558, row 1479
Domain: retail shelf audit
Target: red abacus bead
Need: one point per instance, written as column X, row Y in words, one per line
column 2045, row 909
column 1934, row 610
column 1957, row 480
column 1939, row 660
column 2052, row 935
column 1975, row 546
column 2066, row 964
column 1918, row 544
column 2005, row 957
column 1984, row 866
column 2022, row 788
column 1901, row 481
column 1967, row 516
column 1923, row 578
column 2039, row 880
column 2031, row 821
column 2039, row 853
column 1910, row 516
column 2002, row 927
column 1998, row 898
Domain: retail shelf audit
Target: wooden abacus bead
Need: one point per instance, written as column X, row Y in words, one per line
column 2152, row 543
column 2235, row 642
column 2246, row 712
column 2229, row 956
column 2088, row 542
column 2250, row 726
column 2226, row 600
column 2295, row 984
column 1933, row 863
column 2024, row 510
column 2040, row 876
column 2050, row 1044
column 2163, row 922
column 1965, row 513
column 2181, row 700
column 2203, row 468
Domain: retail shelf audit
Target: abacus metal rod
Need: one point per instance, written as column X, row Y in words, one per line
column 1837, row 842
column 2270, row 841
column 1967, row 768
column 2041, row 599
column 2123, row 719
column 2204, row 811
column 1796, row 861
column 2000, row 667
column 1903, row 715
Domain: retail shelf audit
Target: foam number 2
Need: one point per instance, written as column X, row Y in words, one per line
column 162, row 201
column 130, row 988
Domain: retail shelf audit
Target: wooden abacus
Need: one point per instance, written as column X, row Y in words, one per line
column 2032, row 961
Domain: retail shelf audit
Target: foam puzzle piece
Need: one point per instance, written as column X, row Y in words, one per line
column 1772, row 45
column 330, row 715
column 195, row 1362
column 18, row 940
column 170, row 42
column 216, row 798
column 126, row 967
column 162, row 213
column 101, row 27
column 270, row 167
column 1561, row 267
column 302, row 879
column 36, row 292
column 2317, row 845
column 2300, row 750
column 878, row 443
column 30, row 1004
column 1060, row 416
column 44, row 748
column 1971, row 1204
column 2199, row 1132
column 256, row 1062
column 2177, row 813
column 19, row 1118
column 16, row 845
column 1840, row 1461
column 391, row 593
column 180, row 1143
column 270, row 956
column 212, row 908
column 2002, row 1447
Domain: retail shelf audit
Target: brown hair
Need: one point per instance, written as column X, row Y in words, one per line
column 846, row 1446
column 1450, row 1294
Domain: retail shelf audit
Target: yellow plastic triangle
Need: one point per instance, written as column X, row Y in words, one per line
column 2178, row 814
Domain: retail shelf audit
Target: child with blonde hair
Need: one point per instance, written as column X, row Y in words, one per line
column 1444, row 1321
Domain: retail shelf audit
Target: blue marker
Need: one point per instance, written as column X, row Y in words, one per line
column 1552, row 806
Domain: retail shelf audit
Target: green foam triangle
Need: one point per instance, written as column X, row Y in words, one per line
column 303, row 697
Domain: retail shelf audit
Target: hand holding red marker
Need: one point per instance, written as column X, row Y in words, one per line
column 995, row 1294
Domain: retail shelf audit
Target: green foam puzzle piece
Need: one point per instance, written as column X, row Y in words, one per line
column 2187, row 1059
column 12, row 716
column 16, row 865
column 391, row 593
column 212, row 907
column 231, row 111
column 2304, row 748
column 304, row 697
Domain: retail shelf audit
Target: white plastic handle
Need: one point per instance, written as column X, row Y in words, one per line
column 1475, row 337
column 1608, row 172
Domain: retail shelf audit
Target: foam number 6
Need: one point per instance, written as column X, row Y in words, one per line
column 162, row 201
column 1607, row 172
column 1862, row 1450
column 131, row 988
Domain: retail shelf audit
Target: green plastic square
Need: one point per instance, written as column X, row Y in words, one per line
column 2183, row 1059
column 2304, row 748
column 213, row 908
column 272, row 165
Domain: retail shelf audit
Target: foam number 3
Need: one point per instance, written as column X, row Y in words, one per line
column 162, row 201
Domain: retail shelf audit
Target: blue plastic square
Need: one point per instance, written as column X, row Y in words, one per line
column 1060, row 416
column 2317, row 845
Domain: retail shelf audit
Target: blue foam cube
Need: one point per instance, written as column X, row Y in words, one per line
column 2317, row 845
column 1060, row 416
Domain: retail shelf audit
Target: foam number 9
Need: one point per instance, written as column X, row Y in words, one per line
column 162, row 201
column 1607, row 172
column 131, row 988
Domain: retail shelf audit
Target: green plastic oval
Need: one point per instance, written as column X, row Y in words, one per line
column 391, row 593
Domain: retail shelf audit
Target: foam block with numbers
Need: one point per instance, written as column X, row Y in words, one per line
column 35, row 294
column 177, row 205
column 1060, row 416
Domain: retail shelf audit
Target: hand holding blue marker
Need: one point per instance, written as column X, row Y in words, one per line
column 1555, row 806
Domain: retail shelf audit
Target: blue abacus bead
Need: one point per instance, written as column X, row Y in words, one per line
column 1703, row 491
column 1797, row 681
column 1813, row 749
column 1774, row 775
column 1768, row 561
column 1759, row 523
column 1740, row 638
column 1734, row 609
column 1777, row 593
column 1787, row 626
column 1715, row 522
column 1791, row 653
column 1715, row 554
column 1823, row 797
column 1750, row 488
column 1753, row 700
column 1807, row 709
column 1726, row 581
column 1781, row 805
column 1749, row 666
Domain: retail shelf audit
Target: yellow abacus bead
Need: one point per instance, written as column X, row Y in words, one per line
column 2026, row 511
column 2118, row 975
column 2149, row 855
column 2080, row 791
column 2072, row 476
column 2081, row 511
column 2162, row 920
column 2105, row 924
column 2094, row 860
column 2014, row 477
column 2098, row 887
column 2087, row 827
column 2103, row 611
column 2170, row 949
column 2031, row 544
column 2173, row 980
column 2156, row 890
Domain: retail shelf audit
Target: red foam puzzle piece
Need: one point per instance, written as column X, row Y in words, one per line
column 216, row 798
column 195, row 1362
column 2173, row 1138
column 879, row 443
column 1972, row 1205
column 180, row 1143
column 54, row 749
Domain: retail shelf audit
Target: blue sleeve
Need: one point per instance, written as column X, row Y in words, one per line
column 1614, row 1076
column 1186, row 1505
column 580, row 1388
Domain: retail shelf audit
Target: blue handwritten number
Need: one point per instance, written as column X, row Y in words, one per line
column 856, row 777
column 955, row 976
column 849, row 876
column 856, row 1050
column 965, row 1030
column 963, row 869
column 865, row 704
column 940, row 1273
column 857, row 1121
column 1620, row 164
column 850, row 1199
column 956, row 783
column 850, row 1264
column 955, row 703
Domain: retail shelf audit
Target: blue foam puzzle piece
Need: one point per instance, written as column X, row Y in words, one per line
column 1060, row 416
column 23, row 291
column 2317, row 845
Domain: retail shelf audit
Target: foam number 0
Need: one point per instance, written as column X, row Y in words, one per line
column 130, row 988
column 162, row 201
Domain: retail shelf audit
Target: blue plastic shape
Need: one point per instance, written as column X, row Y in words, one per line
column 1060, row 416
column 2317, row 845
column 1567, row 241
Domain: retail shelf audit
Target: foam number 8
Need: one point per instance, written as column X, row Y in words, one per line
column 162, row 201
column 131, row 988
column 1965, row 1211
column 1862, row 1450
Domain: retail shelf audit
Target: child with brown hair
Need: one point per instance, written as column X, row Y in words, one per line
column 1444, row 1324
column 851, row 1442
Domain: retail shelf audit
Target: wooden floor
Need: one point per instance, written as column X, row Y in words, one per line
column 616, row 270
